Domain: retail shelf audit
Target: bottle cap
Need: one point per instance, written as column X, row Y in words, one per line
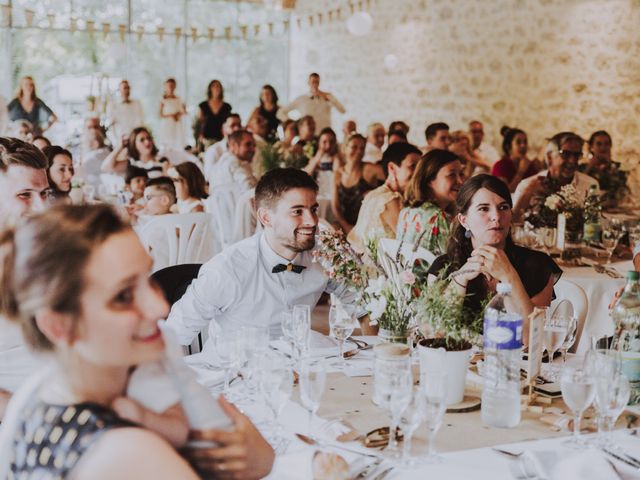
column 503, row 287
column 633, row 275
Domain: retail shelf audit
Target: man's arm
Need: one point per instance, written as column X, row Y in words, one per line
column 336, row 104
column 208, row 296
column 283, row 112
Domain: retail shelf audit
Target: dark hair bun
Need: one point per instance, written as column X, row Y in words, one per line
column 504, row 130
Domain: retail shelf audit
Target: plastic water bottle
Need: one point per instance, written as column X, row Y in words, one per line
column 626, row 339
column 502, row 354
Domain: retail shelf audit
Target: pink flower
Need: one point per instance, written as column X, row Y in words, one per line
column 418, row 227
column 407, row 277
column 435, row 230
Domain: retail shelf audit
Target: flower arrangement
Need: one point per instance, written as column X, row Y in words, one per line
column 275, row 157
column 387, row 287
column 545, row 208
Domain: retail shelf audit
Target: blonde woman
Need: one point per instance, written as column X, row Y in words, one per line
column 27, row 106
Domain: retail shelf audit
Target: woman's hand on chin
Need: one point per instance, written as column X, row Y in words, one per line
column 494, row 262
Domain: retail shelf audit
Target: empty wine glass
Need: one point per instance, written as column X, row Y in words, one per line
column 409, row 421
column 434, row 394
column 301, row 328
column 228, row 350
column 342, row 325
column 611, row 236
column 276, row 383
column 555, row 333
column 312, row 380
column 398, row 397
column 287, row 329
column 578, row 391
column 255, row 343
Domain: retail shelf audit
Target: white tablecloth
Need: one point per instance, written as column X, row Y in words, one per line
column 600, row 289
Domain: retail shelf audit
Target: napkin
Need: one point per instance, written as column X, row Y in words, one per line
column 566, row 465
column 202, row 364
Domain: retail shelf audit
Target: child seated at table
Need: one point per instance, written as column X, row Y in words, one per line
column 159, row 196
column 135, row 181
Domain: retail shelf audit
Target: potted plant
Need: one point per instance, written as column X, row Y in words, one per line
column 450, row 331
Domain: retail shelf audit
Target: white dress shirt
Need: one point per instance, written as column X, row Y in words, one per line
column 17, row 361
column 236, row 288
column 488, row 153
column 372, row 154
column 212, row 154
column 230, row 170
column 4, row 116
column 318, row 108
column 125, row 117
column 580, row 181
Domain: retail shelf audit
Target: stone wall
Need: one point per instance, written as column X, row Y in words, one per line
column 540, row 65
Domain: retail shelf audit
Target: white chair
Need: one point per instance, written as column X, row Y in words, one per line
column 221, row 205
column 112, row 183
column 390, row 247
column 245, row 220
column 178, row 238
column 567, row 290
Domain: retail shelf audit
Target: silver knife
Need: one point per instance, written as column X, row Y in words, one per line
column 621, row 459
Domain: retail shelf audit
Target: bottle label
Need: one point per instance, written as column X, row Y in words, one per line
column 502, row 333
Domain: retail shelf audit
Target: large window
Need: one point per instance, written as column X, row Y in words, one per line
column 69, row 67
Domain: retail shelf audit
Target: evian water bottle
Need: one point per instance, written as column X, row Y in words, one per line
column 502, row 353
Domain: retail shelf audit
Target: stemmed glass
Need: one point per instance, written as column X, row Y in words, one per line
column 570, row 338
column 394, row 383
column 255, row 343
column 611, row 235
column 301, row 328
column 228, row 347
column 555, row 333
column 578, row 391
column 434, row 394
column 612, row 391
column 276, row 383
column 287, row 330
column 312, row 380
column 342, row 325
column 409, row 422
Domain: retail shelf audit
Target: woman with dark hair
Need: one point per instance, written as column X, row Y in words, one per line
column 211, row 115
column 612, row 180
column 430, row 199
column 351, row 182
column 141, row 152
column 326, row 159
column 76, row 280
column 514, row 165
column 27, row 106
column 480, row 252
column 60, row 171
column 190, row 186
column 268, row 108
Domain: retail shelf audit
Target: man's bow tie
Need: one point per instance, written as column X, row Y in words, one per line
column 289, row 267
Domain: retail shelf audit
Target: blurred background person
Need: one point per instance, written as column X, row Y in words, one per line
column 124, row 115
column 60, row 171
column 375, row 142
column 191, row 187
column 28, row 106
column 268, row 108
column 211, row 116
column 515, row 165
column 172, row 111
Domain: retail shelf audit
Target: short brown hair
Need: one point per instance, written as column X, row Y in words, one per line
column 16, row 152
column 278, row 181
column 33, row 278
column 418, row 190
column 165, row 185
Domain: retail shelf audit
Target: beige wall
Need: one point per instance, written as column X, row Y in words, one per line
column 541, row 65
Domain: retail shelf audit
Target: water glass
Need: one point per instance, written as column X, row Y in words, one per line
column 569, row 340
column 554, row 335
column 342, row 325
column 301, row 328
column 409, row 421
column 255, row 343
column 434, row 394
column 578, row 392
column 228, row 345
column 287, row 329
column 312, row 381
column 549, row 238
column 276, row 383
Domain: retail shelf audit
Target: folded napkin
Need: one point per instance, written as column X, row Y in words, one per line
column 320, row 346
column 203, row 364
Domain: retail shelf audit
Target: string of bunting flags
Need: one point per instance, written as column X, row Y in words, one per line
column 272, row 27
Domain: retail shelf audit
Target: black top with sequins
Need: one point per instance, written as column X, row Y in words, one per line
column 51, row 439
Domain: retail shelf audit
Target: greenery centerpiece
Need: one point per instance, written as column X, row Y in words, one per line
column 273, row 156
column 384, row 282
column 545, row 209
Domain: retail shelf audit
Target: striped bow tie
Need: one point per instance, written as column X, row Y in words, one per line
column 289, row 267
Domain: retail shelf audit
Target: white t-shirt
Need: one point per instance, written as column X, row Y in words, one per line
column 17, row 361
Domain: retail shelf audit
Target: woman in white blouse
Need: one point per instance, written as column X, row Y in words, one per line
column 139, row 150
column 190, row 186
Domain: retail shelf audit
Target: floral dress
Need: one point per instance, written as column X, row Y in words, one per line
column 428, row 218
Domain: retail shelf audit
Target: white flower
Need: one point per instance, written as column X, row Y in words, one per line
column 553, row 202
column 407, row 277
column 376, row 286
column 376, row 307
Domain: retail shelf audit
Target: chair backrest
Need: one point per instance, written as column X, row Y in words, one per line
column 567, row 290
column 178, row 238
column 112, row 182
column 390, row 246
column 221, row 205
column 174, row 281
column 245, row 219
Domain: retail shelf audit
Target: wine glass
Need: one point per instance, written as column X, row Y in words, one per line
column 312, row 380
column 255, row 343
column 611, row 235
column 434, row 394
column 276, row 383
column 395, row 387
column 287, row 329
column 409, row 421
column 301, row 328
column 342, row 325
column 578, row 392
column 228, row 350
column 555, row 333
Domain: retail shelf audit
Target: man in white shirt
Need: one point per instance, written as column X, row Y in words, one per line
column 487, row 155
column 316, row 103
column 259, row 126
column 213, row 153
column 563, row 152
column 24, row 189
column 437, row 136
column 124, row 115
column 234, row 167
column 4, row 116
column 375, row 142
column 254, row 281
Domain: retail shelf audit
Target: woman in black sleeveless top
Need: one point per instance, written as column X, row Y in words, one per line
column 211, row 115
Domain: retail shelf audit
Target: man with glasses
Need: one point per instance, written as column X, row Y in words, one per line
column 24, row 189
column 563, row 153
